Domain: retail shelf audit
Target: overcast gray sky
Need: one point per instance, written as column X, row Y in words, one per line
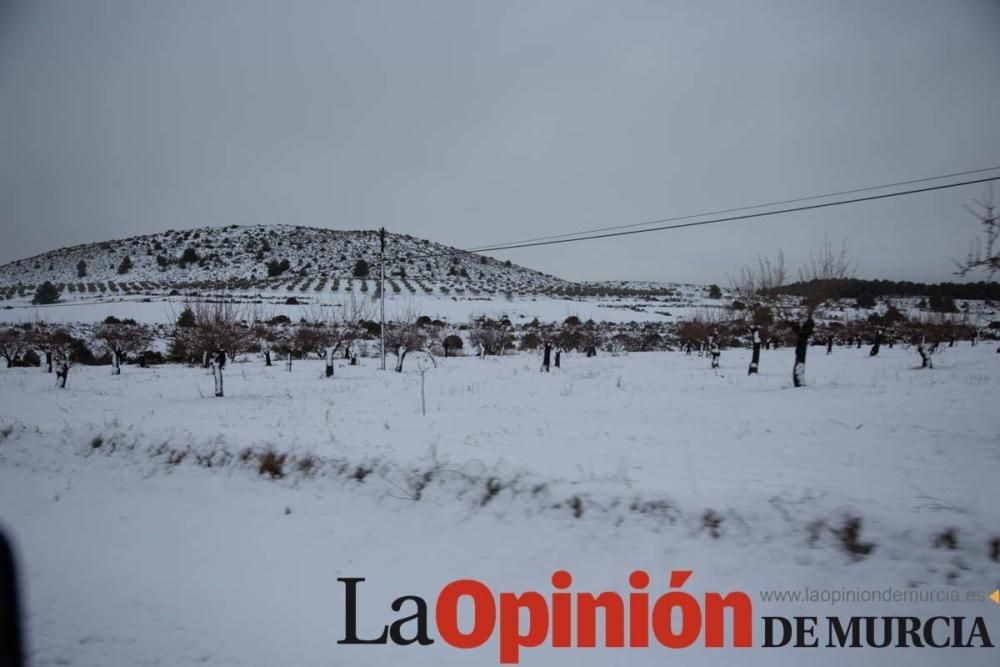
column 477, row 122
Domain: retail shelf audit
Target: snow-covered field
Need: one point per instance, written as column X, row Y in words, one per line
column 162, row 309
column 150, row 532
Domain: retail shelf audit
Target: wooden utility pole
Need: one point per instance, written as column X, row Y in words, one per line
column 381, row 290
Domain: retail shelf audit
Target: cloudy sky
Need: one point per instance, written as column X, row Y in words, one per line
column 479, row 122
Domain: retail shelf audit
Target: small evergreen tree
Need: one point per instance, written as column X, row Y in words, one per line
column 81, row 269
column 866, row 300
column 361, row 269
column 45, row 294
column 276, row 268
column 942, row 304
column 125, row 266
column 186, row 318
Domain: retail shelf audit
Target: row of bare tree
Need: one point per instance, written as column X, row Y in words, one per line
column 59, row 348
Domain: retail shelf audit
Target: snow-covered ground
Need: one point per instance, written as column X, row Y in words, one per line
column 150, row 535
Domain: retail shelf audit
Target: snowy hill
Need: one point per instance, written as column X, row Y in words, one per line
column 267, row 254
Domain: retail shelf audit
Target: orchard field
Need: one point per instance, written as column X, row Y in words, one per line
column 160, row 525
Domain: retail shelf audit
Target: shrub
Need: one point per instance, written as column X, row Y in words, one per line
column 361, row 269
column 947, row 539
column 530, row 341
column 30, row 358
column 273, row 464
column 712, row 523
column 850, row 538
column 452, row 342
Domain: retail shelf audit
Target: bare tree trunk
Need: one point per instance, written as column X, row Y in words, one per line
column 288, row 362
column 329, row 362
column 423, row 403
column 116, row 368
column 755, row 357
column 877, row 344
column 61, row 376
column 217, row 365
column 48, row 361
column 400, row 356
column 829, row 344
column 925, row 355
column 803, row 332
column 558, row 358
column 546, row 357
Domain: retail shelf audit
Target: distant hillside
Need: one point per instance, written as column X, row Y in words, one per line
column 265, row 255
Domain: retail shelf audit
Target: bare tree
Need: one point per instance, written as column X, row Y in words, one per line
column 265, row 340
column 282, row 340
column 820, row 281
column 215, row 331
column 984, row 252
column 491, row 336
column 338, row 325
column 122, row 337
column 258, row 318
column 38, row 338
column 217, row 326
column 928, row 332
column 403, row 335
column 63, row 347
column 755, row 288
column 591, row 338
column 13, row 343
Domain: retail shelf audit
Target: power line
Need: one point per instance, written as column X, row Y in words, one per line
column 782, row 202
column 746, row 216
